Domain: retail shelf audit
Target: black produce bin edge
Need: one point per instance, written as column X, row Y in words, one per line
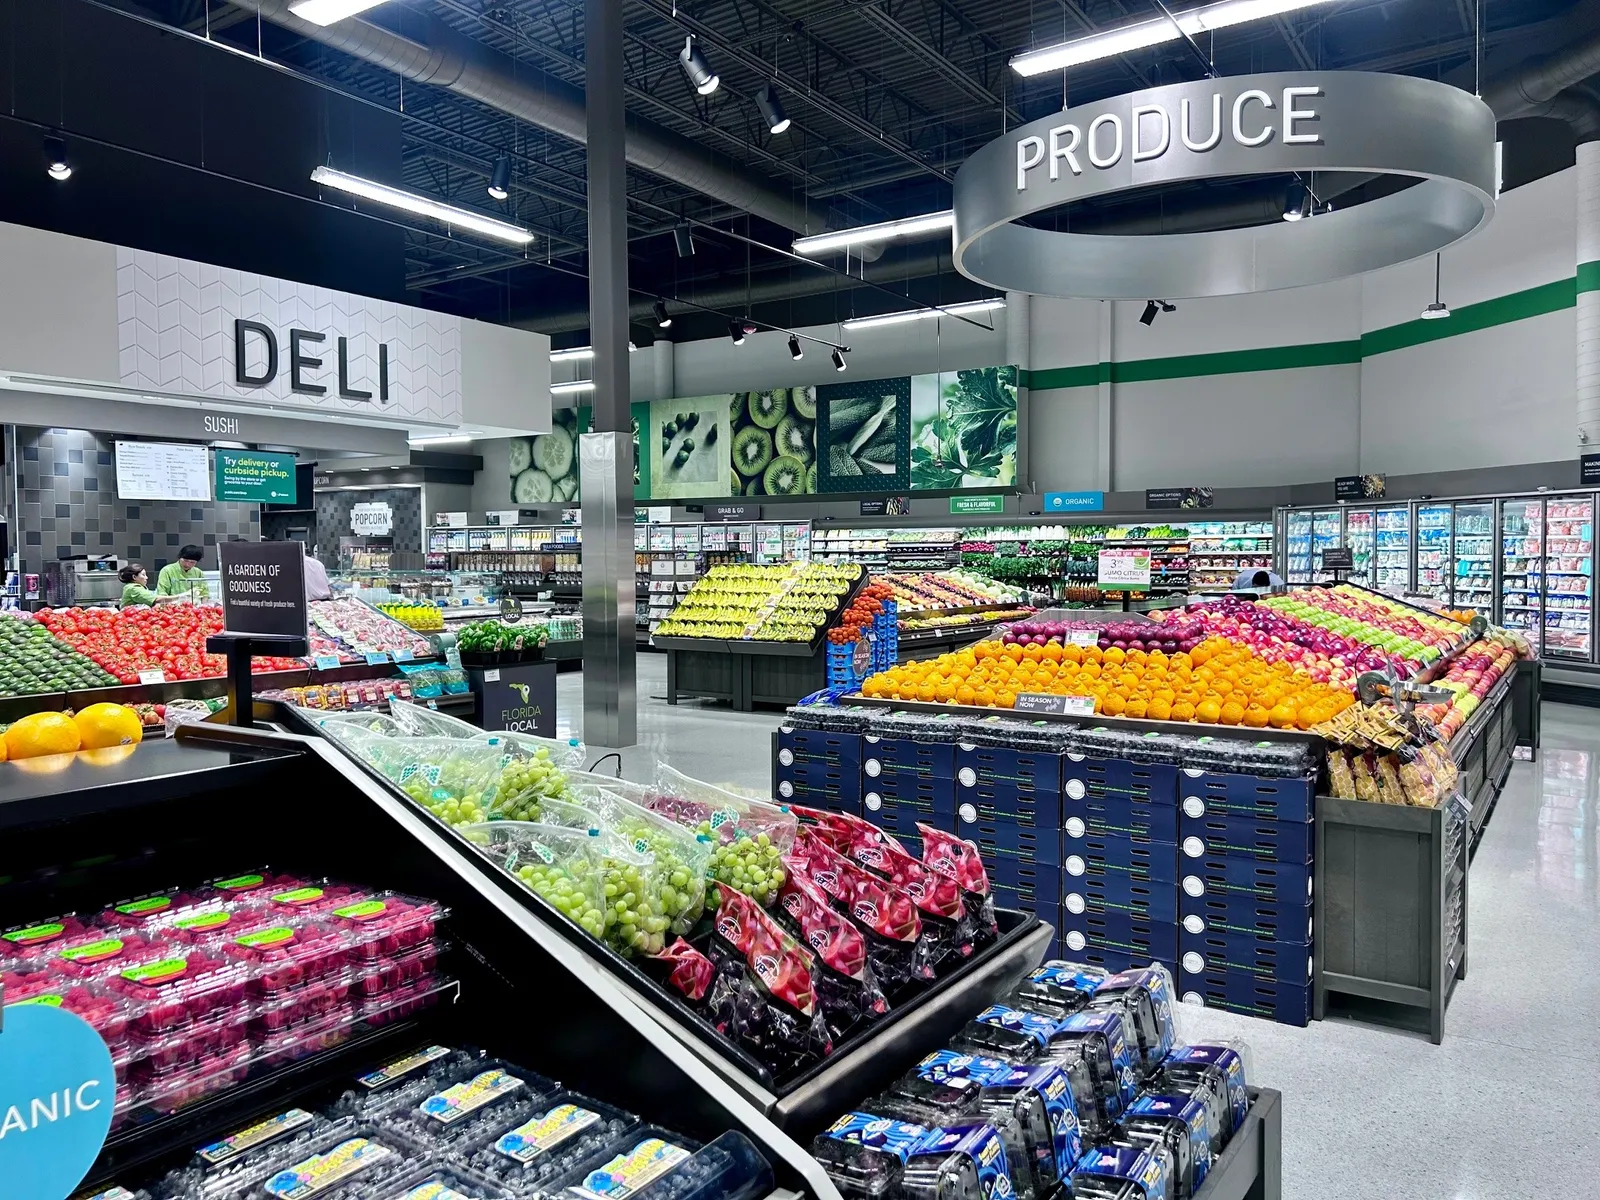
column 1252, row 1165
column 1017, row 950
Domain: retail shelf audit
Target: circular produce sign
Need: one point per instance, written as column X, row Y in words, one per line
column 57, row 1090
column 1291, row 122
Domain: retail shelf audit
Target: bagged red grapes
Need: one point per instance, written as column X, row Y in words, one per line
column 959, row 859
column 845, row 983
column 682, row 968
column 952, row 933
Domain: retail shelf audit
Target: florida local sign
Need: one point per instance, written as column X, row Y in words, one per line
column 1271, row 125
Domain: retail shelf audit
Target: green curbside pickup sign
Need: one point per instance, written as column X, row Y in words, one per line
column 256, row 477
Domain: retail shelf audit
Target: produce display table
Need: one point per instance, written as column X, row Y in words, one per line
column 743, row 673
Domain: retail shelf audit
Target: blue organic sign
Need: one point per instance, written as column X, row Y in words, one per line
column 57, row 1090
column 1056, row 502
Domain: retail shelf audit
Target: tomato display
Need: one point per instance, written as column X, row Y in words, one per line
column 170, row 639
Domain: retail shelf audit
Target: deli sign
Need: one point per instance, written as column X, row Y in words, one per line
column 304, row 358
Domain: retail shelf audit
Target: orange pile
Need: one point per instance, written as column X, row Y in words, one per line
column 1218, row 682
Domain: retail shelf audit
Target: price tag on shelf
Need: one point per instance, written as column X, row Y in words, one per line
column 403, row 656
column 152, row 676
column 492, row 675
column 325, row 662
column 1079, row 706
column 377, row 658
column 1083, row 637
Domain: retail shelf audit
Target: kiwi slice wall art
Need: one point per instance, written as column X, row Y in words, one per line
column 773, row 447
column 864, row 436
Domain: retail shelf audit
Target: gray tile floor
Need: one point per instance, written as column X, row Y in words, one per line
column 1504, row 1108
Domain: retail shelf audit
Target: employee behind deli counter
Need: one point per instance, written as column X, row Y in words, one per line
column 184, row 577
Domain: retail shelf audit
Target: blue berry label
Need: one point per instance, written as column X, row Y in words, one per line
column 1139, row 1166
column 982, row 1144
column 1191, row 1115
column 900, row 1138
column 1068, row 977
column 322, row 1171
column 450, row 1105
column 627, row 1173
column 1034, row 1026
column 400, row 1068
column 945, row 1064
column 526, row 1142
column 260, row 1134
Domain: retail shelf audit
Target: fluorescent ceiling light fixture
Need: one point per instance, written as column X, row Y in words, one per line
column 924, row 314
column 1145, row 34
column 872, row 235
column 581, row 352
column 422, row 206
column 326, row 12
column 440, row 440
column 566, row 389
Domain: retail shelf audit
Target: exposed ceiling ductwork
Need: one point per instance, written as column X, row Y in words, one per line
column 1549, row 88
column 549, row 103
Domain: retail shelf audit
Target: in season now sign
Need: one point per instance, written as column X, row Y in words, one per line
column 256, row 477
column 969, row 505
column 263, row 588
column 1123, row 570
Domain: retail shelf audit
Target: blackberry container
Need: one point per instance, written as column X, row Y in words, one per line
column 1058, row 988
column 1124, row 1172
column 1145, row 995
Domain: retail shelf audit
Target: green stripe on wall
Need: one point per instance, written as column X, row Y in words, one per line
column 1502, row 310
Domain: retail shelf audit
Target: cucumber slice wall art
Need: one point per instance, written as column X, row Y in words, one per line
column 544, row 468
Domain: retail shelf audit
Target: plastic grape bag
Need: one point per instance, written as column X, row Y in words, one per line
column 529, row 783
column 770, row 1004
column 418, row 721
column 640, row 793
column 682, row 856
column 952, row 932
column 959, row 859
column 749, row 836
column 458, row 782
column 632, row 883
column 846, row 985
column 567, row 753
column 338, row 725
column 683, row 969
column 560, row 863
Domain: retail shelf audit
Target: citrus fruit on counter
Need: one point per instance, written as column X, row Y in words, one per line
column 42, row 733
column 102, row 725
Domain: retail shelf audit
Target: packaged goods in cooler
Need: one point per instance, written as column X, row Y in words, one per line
column 566, row 753
column 469, row 1111
column 400, row 1086
column 1057, row 988
column 346, row 1160
column 364, row 629
column 285, row 951
column 1098, row 1038
column 682, row 857
column 1181, row 1126
column 956, row 1102
column 846, row 985
column 951, row 933
column 109, row 1013
column 456, row 781
column 384, row 924
column 959, row 859
column 560, row 863
column 764, row 994
column 874, row 1157
column 249, row 887
column 562, row 1136
column 1145, row 995
column 1124, row 1172
column 1216, row 1074
column 1042, row 1099
column 39, row 939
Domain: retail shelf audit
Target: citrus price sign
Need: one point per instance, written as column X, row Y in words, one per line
column 57, row 1089
column 1124, row 570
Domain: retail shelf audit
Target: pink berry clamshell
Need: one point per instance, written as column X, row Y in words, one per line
column 386, row 924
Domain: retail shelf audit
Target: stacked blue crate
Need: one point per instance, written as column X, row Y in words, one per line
column 886, row 637
column 1244, row 903
column 905, row 781
column 1008, row 801
column 819, row 769
column 1119, row 856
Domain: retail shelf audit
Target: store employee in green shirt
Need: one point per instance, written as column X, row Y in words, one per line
column 136, row 591
column 184, row 577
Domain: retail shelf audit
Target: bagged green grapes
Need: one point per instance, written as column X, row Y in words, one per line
column 418, row 721
column 562, row 864
column 458, row 782
column 567, row 753
column 682, row 856
column 749, row 837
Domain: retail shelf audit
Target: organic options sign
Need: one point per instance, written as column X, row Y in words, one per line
column 256, row 477
column 263, row 588
column 57, row 1089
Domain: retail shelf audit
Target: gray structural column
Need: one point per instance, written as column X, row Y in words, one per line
column 605, row 456
column 1589, row 297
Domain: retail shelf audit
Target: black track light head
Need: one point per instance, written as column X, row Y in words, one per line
column 701, row 77
column 772, row 109
column 55, row 159
column 500, row 180
column 1148, row 316
column 684, row 237
column 663, row 317
column 838, row 359
column 736, row 331
column 795, row 350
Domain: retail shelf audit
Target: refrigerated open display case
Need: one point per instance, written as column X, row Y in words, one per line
column 1434, row 550
column 1358, row 536
column 1391, row 552
column 1297, row 558
column 1472, row 581
column 1327, row 531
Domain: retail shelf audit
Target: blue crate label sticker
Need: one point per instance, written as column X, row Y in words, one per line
column 1135, row 1164
column 1075, row 904
column 1194, row 886
column 786, row 757
column 526, row 1142
column 982, row 1144
column 392, row 1073
column 952, row 1064
column 1194, row 847
column 1075, row 788
column 1075, row 865
column 463, row 1099
column 325, row 662
column 1194, row 806
column 260, row 1134
column 1191, row 1115
column 967, row 777
column 1229, row 1061
column 627, row 1173
column 1194, row 923
column 434, row 1190
column 1032, row 1025
column 322, row 1171
column 900, row 1138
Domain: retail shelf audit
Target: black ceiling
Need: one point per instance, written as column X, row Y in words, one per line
column 184, row 147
